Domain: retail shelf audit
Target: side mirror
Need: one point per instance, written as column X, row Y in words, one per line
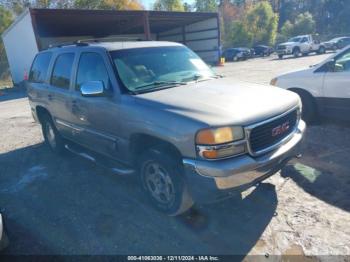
column 92, row 88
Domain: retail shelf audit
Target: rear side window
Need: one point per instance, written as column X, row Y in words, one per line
column 91, row 68
column 39, row 68
column 62, row 70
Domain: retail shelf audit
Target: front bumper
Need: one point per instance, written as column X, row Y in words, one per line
column 212, row 180
column 284, row 52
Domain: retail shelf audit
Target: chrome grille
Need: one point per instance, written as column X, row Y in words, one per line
column 271, row 133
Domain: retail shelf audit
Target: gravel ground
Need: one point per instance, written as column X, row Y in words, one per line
column 66, row 205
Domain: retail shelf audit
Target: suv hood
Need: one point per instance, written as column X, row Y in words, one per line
column 223, row 101
column 288, row 43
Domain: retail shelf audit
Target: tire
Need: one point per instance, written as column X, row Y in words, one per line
column 280, row 56
column 296, row 52
column 309, row 107
column 234, row 59
column 321, row 50
column 162, row 179
column 4, row 241
column 51, row 135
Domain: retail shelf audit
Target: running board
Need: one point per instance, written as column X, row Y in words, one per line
column 99, row 160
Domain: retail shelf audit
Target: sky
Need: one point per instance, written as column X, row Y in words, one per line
column 148, row 4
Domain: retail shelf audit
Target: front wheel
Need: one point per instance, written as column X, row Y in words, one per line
column 322, row 50
column 296, row 52
column 163, row 181
column 280, row 56
column 309, row 107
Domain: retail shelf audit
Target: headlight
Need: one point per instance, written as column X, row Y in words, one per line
column 220, row 142
column 274, row 81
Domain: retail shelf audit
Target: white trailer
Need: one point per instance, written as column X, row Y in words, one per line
column 38, row 29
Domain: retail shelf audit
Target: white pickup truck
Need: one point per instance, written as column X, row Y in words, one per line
column 300, row 45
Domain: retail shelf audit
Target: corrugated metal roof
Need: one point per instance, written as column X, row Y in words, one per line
column 100, row 23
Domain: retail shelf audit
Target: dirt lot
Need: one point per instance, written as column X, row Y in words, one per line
column 65, row 205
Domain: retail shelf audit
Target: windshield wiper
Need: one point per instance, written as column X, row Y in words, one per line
column 198, row 78
column 161, row 83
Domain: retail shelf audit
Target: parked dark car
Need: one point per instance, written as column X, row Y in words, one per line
column 237, row 54
column 337, row 43
column 263, row 50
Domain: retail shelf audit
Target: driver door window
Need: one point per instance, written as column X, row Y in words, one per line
column 342, row 63
column 91, row 68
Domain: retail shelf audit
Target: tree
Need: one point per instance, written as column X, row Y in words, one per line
column 262, row 23
column 168, row 5
column 336, row 16
column 238, row 35
column 187, row 7
column 5, row 19
column 304, row 24
column 287, row 29
column 258, row 26
column 205, row 5
column 108, row 4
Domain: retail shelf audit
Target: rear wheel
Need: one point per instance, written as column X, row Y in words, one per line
column 280, row 56
column 163, row 181
column 51, row 135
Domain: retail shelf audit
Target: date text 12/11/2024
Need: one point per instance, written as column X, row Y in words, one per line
column 174, row 258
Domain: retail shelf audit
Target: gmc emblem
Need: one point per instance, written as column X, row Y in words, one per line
column 279, row 130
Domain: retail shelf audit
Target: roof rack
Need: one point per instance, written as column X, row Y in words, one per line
column 108, row 39
column 85, row 42
column 77, row 43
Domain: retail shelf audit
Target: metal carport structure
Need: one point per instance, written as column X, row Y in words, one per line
column 37, row 29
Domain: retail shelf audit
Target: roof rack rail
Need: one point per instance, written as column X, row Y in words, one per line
column 85, row 42
column 77, row 43
column 108, row 39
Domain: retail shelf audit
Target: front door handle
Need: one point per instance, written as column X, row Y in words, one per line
column 50, row 97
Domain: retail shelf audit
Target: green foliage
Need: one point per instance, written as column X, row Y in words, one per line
column 5, row 19
column 108, row 4
column 238, row 35
column 206, row 5
column 187, row 7
column 259, row 26
column 337, row 18
column 304, row 24
column 168, row 5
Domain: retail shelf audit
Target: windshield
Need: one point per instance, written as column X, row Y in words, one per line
column 335, row 39
column 295, row 39
column 151, row 68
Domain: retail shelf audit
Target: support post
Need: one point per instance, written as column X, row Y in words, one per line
column 183, row 35
column 146, row 26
